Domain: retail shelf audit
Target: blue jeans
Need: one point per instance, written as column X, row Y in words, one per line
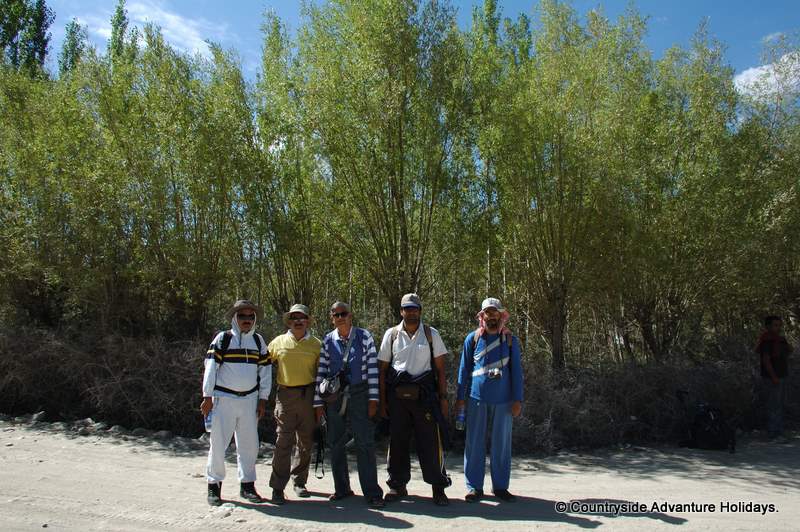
column 483, row 418
column 363, row 431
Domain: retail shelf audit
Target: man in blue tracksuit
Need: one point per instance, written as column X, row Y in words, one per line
column 490, row 388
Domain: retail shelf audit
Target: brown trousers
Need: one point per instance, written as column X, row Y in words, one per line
column 294, row 415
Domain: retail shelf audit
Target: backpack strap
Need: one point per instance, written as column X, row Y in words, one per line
column 225, row 344
column 429, row 337
column 395, row 334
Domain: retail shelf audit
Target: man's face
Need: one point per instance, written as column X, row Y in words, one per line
column 298, row 322
column 492, row 318
column 341, row 317
column 245, row 319
column 775, row 326
column 410, row 315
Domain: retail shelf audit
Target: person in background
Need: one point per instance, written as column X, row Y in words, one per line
column 348, row 353
column 295, row 355
column 490, row 388
column 236, row 385
column 773, row 352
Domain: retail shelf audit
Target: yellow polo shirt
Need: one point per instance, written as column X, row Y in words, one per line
column 296, row 361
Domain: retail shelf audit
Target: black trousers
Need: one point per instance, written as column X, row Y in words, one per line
column 409, row 418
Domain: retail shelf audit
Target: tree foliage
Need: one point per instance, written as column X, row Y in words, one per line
column 628, row 208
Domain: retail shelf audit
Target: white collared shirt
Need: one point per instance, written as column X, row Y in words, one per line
column 411, row 353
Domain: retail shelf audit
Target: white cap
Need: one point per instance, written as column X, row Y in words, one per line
column 492, row 302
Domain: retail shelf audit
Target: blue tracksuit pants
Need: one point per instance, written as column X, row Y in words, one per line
column 488, row 419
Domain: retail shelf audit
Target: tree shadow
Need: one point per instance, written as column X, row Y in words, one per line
column 756, row 462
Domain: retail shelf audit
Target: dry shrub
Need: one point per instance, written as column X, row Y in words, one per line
column 135, row 382
column 587, row 408
column 155, row 384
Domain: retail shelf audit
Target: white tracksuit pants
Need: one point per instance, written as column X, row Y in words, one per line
column 234, row 415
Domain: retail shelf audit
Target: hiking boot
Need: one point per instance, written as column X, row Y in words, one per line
column 395, row 494
column 340, row 496
column 439, row 497
column 214, row 494
column 376, row 502
column 505, row 495
column 247, row 491
column 302, row 492
column 473, row 495
column 278, row 497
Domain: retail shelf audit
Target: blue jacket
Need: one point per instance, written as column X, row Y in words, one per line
column 473, row 374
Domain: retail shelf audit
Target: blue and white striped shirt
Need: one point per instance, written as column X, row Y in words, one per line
column 363, row 359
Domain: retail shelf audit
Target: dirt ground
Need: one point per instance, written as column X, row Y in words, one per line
column 56, row 476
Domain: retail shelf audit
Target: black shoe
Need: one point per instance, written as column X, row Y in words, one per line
column 247, row 490
column 376, row 502
column 395, row 494
column 439, row 498
column 473, row 495
column 215, row 494
column 340, row 496
column 504, row 495
column 278, row 497
column 302, row 492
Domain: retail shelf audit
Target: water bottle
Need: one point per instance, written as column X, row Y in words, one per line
column 207, row 420
column 461, row 419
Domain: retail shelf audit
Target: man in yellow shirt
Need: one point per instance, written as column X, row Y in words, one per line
column 295, row 355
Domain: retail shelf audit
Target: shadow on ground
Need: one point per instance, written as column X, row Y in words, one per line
column 354, row 510
column 754, row 457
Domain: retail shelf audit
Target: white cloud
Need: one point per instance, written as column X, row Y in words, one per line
column 772, row 37
column 96, row 25
column 183, row 33
column 774, row 78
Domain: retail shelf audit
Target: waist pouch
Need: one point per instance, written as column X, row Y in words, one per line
column 408, row 391
column 411, row 388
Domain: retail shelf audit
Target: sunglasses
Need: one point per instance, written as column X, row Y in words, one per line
column 246, row 317
column 298, row 318
column 342, row 314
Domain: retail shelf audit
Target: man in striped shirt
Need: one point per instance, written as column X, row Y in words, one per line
column 349, row 353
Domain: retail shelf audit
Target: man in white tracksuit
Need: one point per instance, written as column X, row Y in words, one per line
column 236, row 386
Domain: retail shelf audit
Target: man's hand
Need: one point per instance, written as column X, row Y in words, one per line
column 445, row 407
column 261, row 409
column 372, row 409
column 206, row 406
column 516, row 408
column 319, row 412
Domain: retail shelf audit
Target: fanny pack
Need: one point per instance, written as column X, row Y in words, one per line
column 409, row 391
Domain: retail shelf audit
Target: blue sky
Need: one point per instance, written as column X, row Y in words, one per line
column 742, row 25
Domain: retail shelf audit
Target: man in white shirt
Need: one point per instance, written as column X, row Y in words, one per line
column 413, row 391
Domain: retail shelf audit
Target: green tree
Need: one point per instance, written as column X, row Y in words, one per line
column 382, row 95
column 35, row 39
column 74, row 47
column 119, row 29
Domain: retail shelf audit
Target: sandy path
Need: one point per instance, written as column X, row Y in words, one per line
column 54, row 477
